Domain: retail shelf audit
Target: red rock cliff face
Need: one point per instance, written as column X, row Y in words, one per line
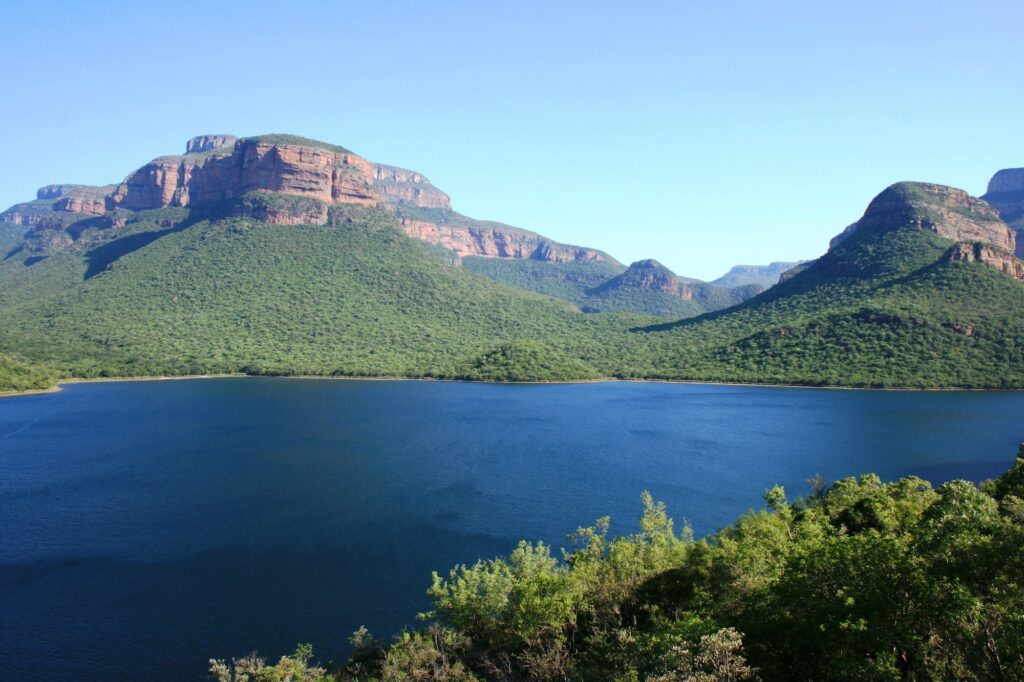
column 251, row 165
column 998, row 259
column 76, row 198
column 400, row 185
column 217, row 168
column 948, row 212
column 222, row 167
column 498, row 242
column 951, row 213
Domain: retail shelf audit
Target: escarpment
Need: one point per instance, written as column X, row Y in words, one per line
column 223, row 168
column 1006, row 194
column 976, row 227
column 492, row 240
column 219, row 173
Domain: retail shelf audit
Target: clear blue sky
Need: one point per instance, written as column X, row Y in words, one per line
column 703, row 134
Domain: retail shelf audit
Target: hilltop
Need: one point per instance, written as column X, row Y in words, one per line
column 923, row 290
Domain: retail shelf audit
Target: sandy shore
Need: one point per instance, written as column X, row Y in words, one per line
column 57, row 388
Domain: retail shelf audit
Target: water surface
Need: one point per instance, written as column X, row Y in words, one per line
column 149, row 526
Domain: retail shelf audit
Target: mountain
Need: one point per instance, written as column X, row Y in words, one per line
column 762, row 275
column 650, row 287
column 254, row 171
column 645, row 286
column 290, row 180
column 1006, row 194
column 280, row 255
column 923, row 290
column 272, row 254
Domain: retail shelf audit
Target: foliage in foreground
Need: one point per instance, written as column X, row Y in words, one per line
column 863, row 580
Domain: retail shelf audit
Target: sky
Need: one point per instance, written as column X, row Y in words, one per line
column 702, row 134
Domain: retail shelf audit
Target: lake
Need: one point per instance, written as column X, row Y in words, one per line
column 148, row 526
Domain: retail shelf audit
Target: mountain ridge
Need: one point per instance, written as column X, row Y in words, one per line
column 290, row 180
column 922, row 291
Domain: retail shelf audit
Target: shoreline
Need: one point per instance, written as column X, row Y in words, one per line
column 100, row 380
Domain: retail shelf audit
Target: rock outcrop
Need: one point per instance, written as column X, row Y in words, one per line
column 278, row 209
column 1007, row 180
column 252, row 165
column 76, row 198
column 492, row 240
column 406, row 186
column 994, row 258
column 1006, row 194
column 847, row 231
column 55, row 205
column 651, row 275
column 951, row 213
column 761, row 275
column 948, row 212
column 207, row 143
column 224, row 168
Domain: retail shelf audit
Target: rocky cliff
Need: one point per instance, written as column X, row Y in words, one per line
column 207, row 143
column 498, row 241
column 761, row 275
column 994, row 258
column 951, row 213
column 288, row 180
column 409, row 187
column 1007, row 180
column 219, row 173
column 650, row 275
column 223, row 168
column 77, row 198
column 54, row 201
column 1006, row 194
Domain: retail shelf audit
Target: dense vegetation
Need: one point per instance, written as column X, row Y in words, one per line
column 280, row 138
column 568, row 281
column 18, row 375
column 881, row 309
column 179, row 292
column 528, row 361
column 607, row 287
column 862, row 580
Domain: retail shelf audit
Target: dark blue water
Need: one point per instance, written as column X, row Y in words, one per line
column 145, row 527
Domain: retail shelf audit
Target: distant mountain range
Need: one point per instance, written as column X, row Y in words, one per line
column 763, row 276
column 283, row 255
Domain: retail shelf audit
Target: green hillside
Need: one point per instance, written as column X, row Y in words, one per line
column 210, row 295
column 921, row 292
column 568, row 281
column 18, row 375
column 885, row 307
column 601, row 287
